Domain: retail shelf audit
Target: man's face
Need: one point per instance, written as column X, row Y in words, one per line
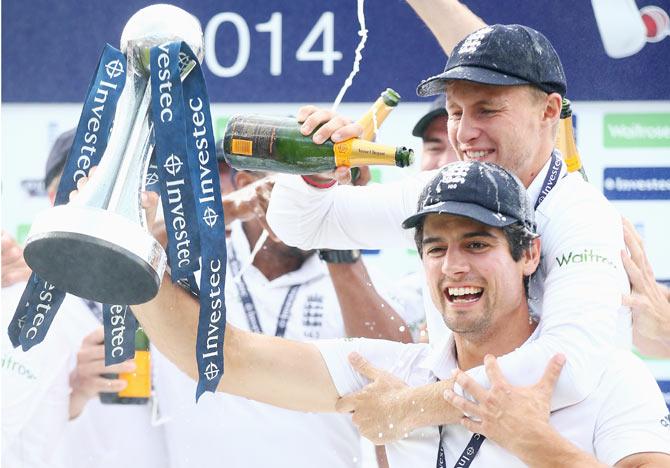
column 498, row 124
column 473, row 280
column 437, row 150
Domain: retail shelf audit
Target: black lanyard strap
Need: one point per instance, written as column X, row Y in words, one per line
column 468, row 454
column 248, row 302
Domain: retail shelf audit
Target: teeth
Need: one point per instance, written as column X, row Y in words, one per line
column 464, row 291
column 477, row 154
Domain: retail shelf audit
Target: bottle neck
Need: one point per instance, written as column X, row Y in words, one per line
column 374, row 118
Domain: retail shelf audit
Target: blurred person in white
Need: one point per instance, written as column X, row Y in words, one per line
column 51, row 414
column 649, row 300
column 283, row 292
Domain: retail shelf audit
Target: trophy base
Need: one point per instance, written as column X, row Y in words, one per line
column 95, row 254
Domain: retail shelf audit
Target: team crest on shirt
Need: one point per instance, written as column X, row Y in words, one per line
column 312, row 316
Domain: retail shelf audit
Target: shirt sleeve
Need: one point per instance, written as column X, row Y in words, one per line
column 633, row 418
column 343, row 216
column 397, row 358
column 583, row 283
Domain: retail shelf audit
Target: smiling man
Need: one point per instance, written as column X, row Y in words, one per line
column 476, row 236
column 504, row 85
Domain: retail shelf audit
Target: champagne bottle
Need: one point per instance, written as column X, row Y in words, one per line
column 138, row 390
column 266, row 143
column 374, row 117
column 565, row 141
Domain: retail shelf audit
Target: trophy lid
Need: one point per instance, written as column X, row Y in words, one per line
column 157, row 24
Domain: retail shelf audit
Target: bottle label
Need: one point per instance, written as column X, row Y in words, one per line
column 342, row 152
column 139, row 382
column 242, row 147
column 355, row 152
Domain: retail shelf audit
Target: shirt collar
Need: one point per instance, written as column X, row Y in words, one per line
column 441, row 359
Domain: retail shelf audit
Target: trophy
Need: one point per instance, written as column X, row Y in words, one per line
column 97, row 246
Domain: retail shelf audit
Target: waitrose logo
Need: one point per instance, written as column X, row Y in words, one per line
column 583, row 256
column 637, row 130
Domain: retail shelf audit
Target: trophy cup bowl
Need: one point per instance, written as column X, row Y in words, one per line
column 97, row 246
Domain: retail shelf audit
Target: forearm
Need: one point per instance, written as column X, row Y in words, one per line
column 344, row 217
column 548, row 449
column 365, row 313
column 263, row 368
column 448, row 20
column 425, row 406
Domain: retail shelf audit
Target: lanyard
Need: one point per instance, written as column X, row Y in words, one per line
column 248, row 302
column 550, row 179
column 468, row 454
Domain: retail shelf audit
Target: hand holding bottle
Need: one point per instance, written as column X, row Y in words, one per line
column 86, row 380
column 333, row 126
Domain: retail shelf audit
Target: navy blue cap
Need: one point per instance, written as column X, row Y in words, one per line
column 505, row 55
column 482, row 191
column 437, row 108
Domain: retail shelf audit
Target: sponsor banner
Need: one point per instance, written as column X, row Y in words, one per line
column 302, row 51
column 637, row 183
column 636, row 130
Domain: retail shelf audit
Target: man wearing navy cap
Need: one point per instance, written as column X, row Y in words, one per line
column 504, row 86
column 475, row 231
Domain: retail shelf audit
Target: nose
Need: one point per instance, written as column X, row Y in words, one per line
column 455, row 264
column 467, row 129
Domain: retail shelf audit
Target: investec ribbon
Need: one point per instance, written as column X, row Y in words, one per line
column 40, row 300
column 189, row 180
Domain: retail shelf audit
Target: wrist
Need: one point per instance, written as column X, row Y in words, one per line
column 318, row 182
column 339, row 256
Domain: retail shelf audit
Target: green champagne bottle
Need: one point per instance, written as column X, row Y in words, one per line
column 275, row 144
column 375, row 116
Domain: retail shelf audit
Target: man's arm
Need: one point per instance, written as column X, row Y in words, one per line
column 342, row 216
column 264, row 368
column 387, row 409
column 448, row 20
column 364, row 311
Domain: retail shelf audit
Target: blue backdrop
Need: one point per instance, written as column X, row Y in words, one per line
column 51, row 48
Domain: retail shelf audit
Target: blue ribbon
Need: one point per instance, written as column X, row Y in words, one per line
column 120, row 325
column 40, row 300
column 188, row 173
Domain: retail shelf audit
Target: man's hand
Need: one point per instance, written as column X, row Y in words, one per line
column 86, row 379
column 379, row 408
column 648, row 300
column 14, row 267
column 250, row 202
column 333, row 126
column 514, row 417
column 387, row 409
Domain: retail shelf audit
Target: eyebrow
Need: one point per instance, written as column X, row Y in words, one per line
column 468, row 235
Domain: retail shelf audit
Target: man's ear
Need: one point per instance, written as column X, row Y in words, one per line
column 552, row 108
column 531, row 258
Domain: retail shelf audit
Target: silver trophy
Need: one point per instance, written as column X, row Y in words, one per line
column 97, row 246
